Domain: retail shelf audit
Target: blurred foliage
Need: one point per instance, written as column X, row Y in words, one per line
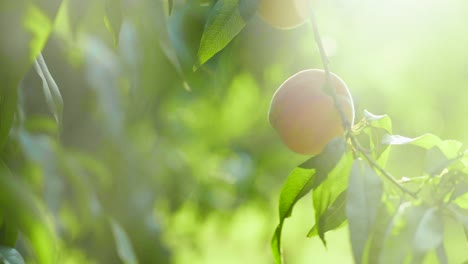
column 151, row 161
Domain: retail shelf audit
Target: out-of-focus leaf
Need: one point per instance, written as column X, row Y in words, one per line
column 363, row 202
column 301, row 180
column 441, row 254
column 329, row 192
column 17, row 203
column 10, row 256
column 114, row 18
column 224, row 23
column 160, row 23
column 333, row 217
column 398, row 242
column 51, row 91
column 76, row 9
column 103, row 72
column 123, row 244
column 8, row 101
column 8, row 233
column 429, row 233
column 25, row 27
column 170, row 4
column 248, row 8
column 376, row 238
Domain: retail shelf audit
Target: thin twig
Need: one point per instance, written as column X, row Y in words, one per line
column 325, row 61
column 345, row 122
column 376, row 166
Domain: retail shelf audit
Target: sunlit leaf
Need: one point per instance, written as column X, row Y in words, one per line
column 301, row 181
column 124, row 246
column 426, row 141
column 330, row 192
column 224, row 23
column 10, row 256
column 378, row 121
column 363, row 202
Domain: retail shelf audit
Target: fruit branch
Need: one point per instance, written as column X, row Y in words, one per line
column 345, row 122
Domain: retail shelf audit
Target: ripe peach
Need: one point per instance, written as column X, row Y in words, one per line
column 304, row 114
column 283, row 14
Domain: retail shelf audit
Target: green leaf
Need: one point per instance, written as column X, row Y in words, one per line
column 301, row 181
column 333, row 217
column 377, row 127
column 298, row 184
column 223, row 24
column 378, row 121
column 51, row 91
column 429, row 233
column 124, row 246
column 114, row 18
column 10, row 256
column 425, row 141
column 18, row 205
column 363, row 202
column 327, row 193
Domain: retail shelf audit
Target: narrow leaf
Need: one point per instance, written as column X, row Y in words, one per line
column 363, row 202
column 301, row 181
column 329, row 192
column 114, row 18
column 334, row 217
column 51, row 91
column 123, row 244
column 223, row 24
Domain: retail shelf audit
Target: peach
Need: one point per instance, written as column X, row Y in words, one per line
column 283, row 14
column 304, row 114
